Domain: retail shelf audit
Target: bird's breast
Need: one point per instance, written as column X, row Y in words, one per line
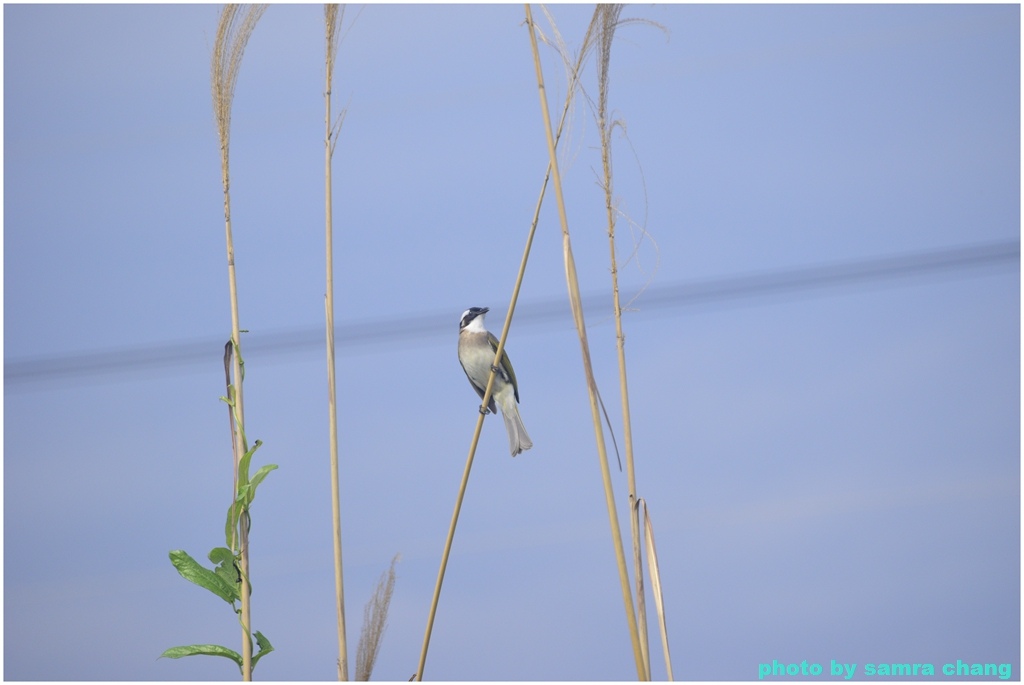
column 476, row 355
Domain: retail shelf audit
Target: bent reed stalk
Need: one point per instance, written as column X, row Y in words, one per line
column 577, row 311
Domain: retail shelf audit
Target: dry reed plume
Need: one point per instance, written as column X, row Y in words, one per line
column 375, row 622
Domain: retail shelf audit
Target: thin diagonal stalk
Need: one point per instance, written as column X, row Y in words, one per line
column 448, row 540
column 473, row 444
column 236, row 25
column 577, row 310
column 487, row 393
column 332, row 18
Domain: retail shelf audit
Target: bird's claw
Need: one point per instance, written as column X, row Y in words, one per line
column 485, row 411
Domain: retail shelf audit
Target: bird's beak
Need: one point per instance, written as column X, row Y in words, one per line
column 484, row 310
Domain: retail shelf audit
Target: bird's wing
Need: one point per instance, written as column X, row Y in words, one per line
column 508, row 372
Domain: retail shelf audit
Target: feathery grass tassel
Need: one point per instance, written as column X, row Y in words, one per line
column 375, row 622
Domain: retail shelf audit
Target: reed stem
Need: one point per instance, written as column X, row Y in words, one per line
column 332, row 19
column 606, row 18
column 225, row 63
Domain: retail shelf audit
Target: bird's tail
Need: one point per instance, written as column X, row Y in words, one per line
column 518, row 440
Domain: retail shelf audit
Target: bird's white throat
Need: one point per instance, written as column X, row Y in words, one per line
column 476, row 326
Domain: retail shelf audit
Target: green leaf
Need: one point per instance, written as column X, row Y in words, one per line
column 258, row 478
column 221, row 555
column 207, row 650
column 244, row 496
column 229, row 525
column 192, row 571
column 246, row 491
column 226, row 565
column 264, row 647
column 235, row 511
column 243, row 464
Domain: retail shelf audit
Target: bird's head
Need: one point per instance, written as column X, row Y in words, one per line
column 473, row 319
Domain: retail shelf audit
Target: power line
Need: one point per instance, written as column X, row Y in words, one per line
column 375, row 332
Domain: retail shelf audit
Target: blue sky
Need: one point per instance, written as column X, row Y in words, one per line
column 833, row 472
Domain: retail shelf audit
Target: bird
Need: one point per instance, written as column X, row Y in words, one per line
column 477, row 347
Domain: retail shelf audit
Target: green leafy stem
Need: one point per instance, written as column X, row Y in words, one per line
column 225, row 579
